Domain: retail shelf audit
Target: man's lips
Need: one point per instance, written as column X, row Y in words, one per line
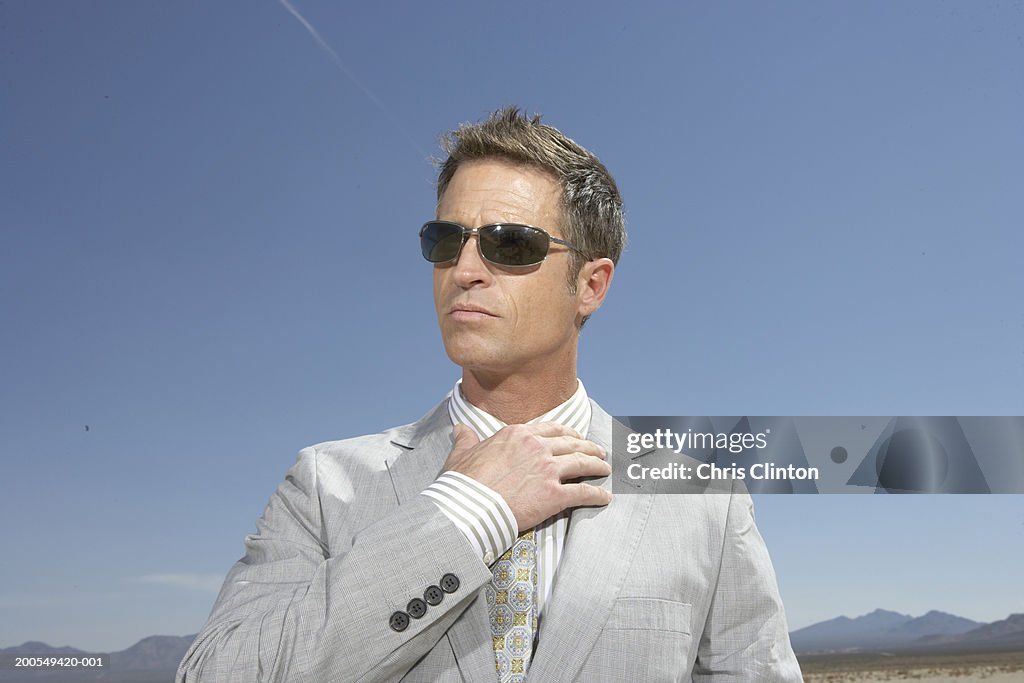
column 469, row 312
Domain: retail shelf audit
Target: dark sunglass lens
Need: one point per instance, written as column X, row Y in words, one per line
column 513, row 245
column 440, row 242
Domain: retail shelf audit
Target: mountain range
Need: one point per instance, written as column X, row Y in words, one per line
column 155, row 659
column 883, row 630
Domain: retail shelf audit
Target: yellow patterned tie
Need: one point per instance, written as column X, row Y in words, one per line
column 512, row 603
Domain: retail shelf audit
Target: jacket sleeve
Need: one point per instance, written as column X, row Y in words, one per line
column 746, row 637
column 293, row 610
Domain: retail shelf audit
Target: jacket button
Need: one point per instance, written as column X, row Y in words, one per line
column 399, row 621
column 417, row 608
column 433, row 595
column 449, row 583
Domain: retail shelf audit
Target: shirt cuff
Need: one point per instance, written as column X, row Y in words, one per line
column 478, row 511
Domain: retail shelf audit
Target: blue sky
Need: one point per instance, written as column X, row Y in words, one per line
column 209, row 258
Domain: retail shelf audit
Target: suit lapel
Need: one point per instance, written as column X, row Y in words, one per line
column 589, row 578
column 427, row 444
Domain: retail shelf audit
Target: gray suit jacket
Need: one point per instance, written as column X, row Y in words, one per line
column 653, row 587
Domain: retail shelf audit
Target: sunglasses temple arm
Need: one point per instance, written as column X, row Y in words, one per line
column 571, row 246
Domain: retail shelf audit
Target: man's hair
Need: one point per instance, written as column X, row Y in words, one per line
column 591, row 204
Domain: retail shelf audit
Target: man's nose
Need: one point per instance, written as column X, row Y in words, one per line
column 470, row 267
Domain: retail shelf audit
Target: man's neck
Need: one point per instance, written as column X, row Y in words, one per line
column 517, row 399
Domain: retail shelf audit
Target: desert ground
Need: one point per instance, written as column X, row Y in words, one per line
column 959, row 667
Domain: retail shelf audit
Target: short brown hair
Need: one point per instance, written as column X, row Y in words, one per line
column 591, row 204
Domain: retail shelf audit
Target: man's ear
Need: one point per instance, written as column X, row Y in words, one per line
column 592, row 285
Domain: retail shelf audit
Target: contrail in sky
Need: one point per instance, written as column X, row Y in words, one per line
column 344, row 69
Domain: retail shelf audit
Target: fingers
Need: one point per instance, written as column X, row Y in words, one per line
column 576, row 465
column 562, row 445
column 552, row 429
column 576, row 495
column 575, row 457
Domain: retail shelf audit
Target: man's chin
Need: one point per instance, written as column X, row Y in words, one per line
column 478, row 360
column 477, row 363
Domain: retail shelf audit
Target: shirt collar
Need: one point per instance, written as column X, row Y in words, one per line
column 574, row 413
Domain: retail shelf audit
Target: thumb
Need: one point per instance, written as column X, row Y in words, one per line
column 464, row 437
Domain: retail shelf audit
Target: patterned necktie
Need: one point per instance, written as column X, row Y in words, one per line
column 512, row 603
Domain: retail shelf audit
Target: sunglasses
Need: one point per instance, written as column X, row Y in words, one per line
column 504, row 244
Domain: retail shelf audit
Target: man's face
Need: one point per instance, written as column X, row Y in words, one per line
column 500, row 320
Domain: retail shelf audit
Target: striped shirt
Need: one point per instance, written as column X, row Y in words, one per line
column 482, row 514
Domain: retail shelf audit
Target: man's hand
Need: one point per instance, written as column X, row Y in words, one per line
column 527, row 465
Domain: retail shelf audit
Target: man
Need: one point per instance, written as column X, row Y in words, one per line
column 457, row 547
